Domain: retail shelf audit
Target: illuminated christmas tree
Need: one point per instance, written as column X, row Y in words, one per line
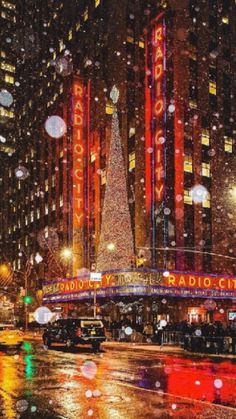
column 116, row 247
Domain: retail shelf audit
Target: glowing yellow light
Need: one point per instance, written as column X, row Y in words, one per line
column 111, row 247
column 66, row 253
column 233, row 193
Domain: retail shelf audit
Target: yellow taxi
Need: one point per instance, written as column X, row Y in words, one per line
column 10, row 336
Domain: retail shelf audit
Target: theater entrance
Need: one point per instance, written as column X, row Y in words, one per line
column 197, row 314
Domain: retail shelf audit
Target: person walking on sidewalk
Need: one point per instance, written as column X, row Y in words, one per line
column 148, row 331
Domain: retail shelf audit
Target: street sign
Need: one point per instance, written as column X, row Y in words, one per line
column 95, row 276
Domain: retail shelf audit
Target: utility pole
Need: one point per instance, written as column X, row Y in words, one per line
column 95, row 277
column 26, row 305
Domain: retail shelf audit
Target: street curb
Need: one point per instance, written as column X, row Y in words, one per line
column 162, row 350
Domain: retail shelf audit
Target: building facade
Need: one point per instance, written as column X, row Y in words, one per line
column 173, row 63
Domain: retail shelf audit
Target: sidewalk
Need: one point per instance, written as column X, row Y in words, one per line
column 141, row 347
column 137, row 347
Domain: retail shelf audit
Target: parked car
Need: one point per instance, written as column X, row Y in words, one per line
column 10, row 336
column 72, row 332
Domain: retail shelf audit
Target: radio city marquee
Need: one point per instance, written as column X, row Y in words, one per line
column 141, row 283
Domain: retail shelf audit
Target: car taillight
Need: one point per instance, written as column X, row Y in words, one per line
column 78, row 332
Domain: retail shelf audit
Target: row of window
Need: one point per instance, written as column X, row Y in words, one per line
column 188, row 166
column 188, row 200
column 7, row 67
column 7, row 16
column 8, row 5
column 6, row 113
column 31, row 217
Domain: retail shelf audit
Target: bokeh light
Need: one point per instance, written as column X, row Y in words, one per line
column 199, row 194
column 55, row 126
column 6, row 98
column 89, row 369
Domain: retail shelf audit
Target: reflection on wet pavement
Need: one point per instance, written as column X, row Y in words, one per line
column 40, row 383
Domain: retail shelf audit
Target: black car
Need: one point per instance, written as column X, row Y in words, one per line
column 72, row 332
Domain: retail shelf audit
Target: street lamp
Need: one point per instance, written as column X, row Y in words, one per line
column 95, row 277
column 66, row 253
column 38, row 258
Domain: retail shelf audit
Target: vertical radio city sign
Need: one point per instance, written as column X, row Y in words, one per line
column 158, row 108
column 78, row 171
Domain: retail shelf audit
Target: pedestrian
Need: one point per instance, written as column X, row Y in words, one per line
column 148, row 331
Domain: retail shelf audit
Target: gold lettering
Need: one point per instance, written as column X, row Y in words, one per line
column 79, row 106
column 158, row 172
column 182, row 281
column 171, row 279
column 78, row 120
column 78, row 90
column 158, row 89
column 158, row 53
column 158, row 108
column 159, row 191
column 207, row 282
column 78, row 217
column 192, row 281
column 158, row 34
column 158, row 135
column 222, row 283
column 78, row 148
column 158, row 71
column 77, row 134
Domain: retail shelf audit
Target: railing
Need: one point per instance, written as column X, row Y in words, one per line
column 210, row 344
column 170, row 337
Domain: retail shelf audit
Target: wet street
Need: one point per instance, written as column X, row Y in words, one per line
column 53, row 384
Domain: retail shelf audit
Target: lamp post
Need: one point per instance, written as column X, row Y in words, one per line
column 95, row 277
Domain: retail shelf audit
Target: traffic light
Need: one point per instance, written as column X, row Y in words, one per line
column 28, row 299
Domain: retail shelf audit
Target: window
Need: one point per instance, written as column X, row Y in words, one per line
column 3, row 54
column 109, row 109
column 188, row 197
column 46, row 209
column 193, row 104
column 61, row 200
column 77, row 26
column 188, row 164
column 130, row 39
column 61, row 45
column 207, row 202
column 141, row 44
column 103, row 177
column 5, row 112
column 70, row 35
column 38, row 213
column 228, row 145
column 31, row 216
column 212, row 87
column 46, row 185
column 205, row 137
column 193, row 56
column 206, row 169
column 86, row 15
column 8, row 67
column 225, row 20
column 132, row 160
column 9, row 79
column 8, row 5
column 92, row 156
column 97, row 2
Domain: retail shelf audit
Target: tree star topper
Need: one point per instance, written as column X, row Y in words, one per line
column 114, row 95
